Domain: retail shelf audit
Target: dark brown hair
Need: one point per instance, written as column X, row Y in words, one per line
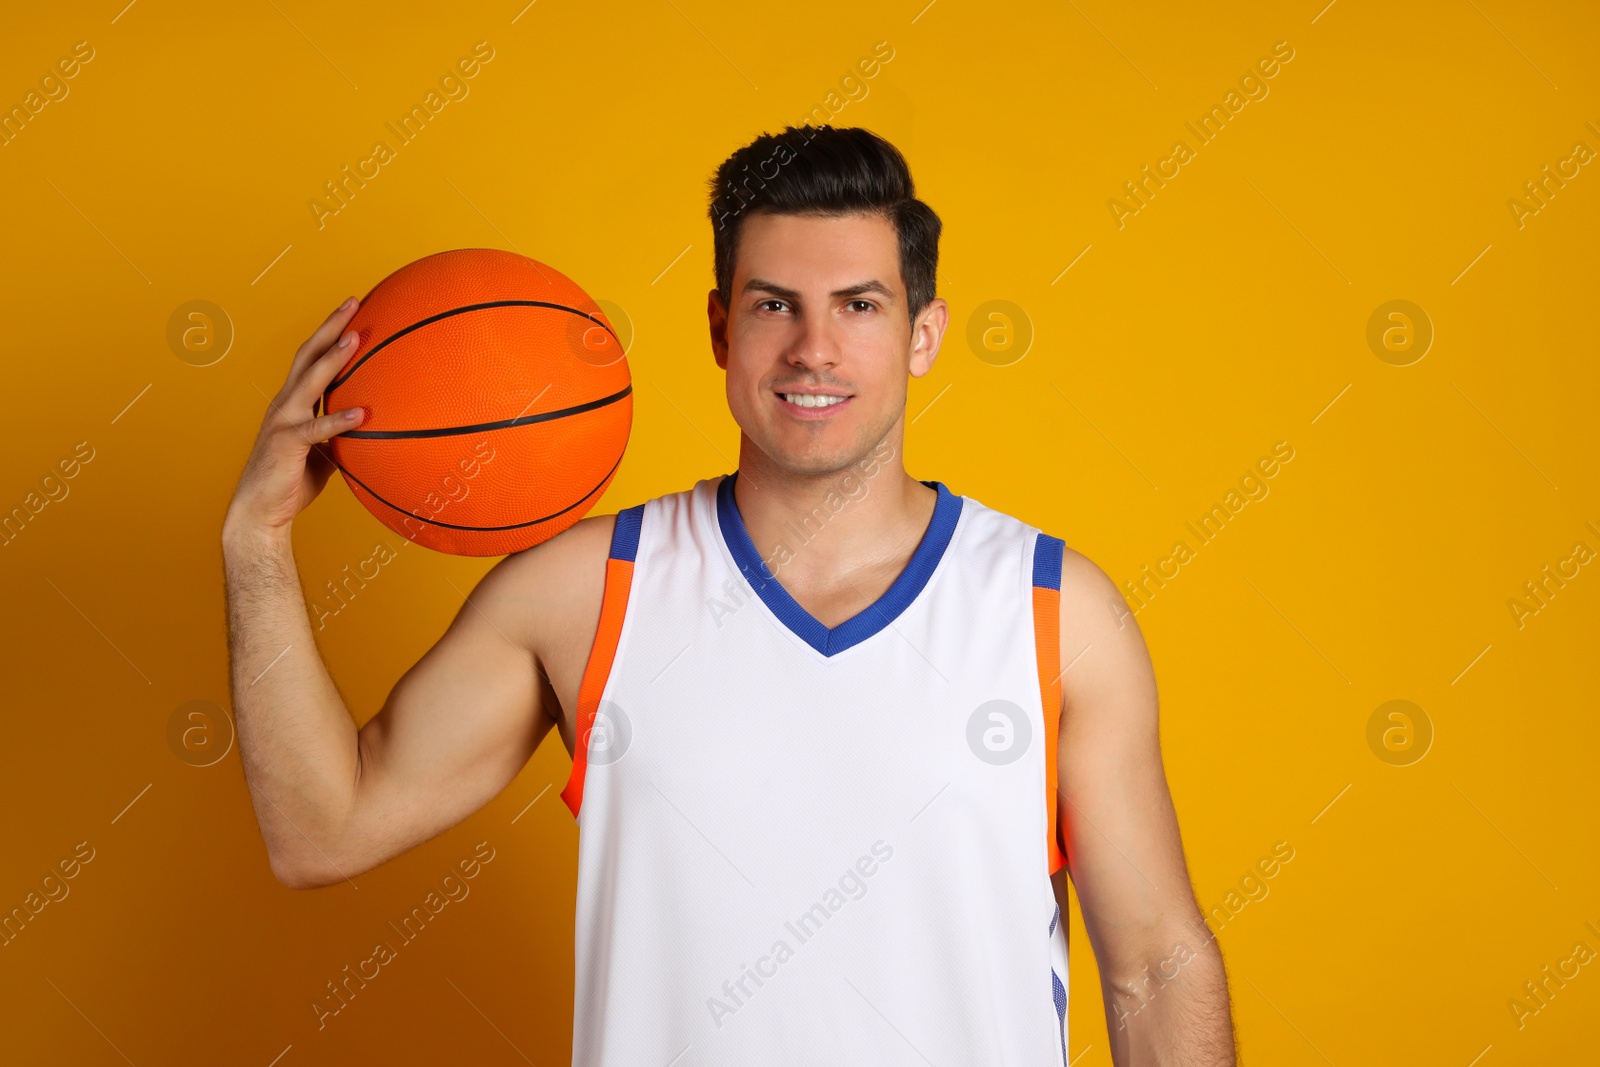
column 825, row 171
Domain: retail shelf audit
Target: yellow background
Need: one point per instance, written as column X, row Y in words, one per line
column 1222, row 318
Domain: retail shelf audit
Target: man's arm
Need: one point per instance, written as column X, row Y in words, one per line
column 1161, row 973
column 331, row 801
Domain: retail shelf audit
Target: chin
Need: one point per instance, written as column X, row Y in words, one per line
column 819, row 458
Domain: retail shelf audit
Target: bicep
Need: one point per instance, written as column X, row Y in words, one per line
column 458, row 726
column 1124, row 852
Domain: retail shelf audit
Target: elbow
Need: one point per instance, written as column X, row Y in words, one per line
column 298, row 862
column 1183, row 961
column 289, row 875
column 297, row 875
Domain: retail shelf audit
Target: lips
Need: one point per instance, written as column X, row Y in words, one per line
column 816, row 400
column 812, row 405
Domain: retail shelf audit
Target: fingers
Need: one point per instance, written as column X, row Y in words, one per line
column 325, row 426
column 319, row 467
column 302, row 394
column 320, row 461
column 319, row 341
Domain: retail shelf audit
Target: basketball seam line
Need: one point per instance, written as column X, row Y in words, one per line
column 482, row 529
column 501, row 424
column 419, row 324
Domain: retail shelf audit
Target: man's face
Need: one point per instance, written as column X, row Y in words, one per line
column 818, row 306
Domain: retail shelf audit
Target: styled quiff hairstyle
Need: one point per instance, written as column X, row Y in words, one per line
column 824, row 171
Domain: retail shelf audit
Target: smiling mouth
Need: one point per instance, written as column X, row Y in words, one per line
column 812, row 400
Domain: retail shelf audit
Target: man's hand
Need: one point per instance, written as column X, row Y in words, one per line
column 333, row 801
column 289, row 466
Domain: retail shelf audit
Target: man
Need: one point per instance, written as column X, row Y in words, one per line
column 838, row 735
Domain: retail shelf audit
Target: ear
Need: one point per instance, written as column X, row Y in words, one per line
column 717, row 317
column 926, row 333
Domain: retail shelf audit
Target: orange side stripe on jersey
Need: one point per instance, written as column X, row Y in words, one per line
column 1047, row 640
column 613, row 606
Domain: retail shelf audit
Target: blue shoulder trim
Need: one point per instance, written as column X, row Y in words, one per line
column 625, row 537
column 1047, row 561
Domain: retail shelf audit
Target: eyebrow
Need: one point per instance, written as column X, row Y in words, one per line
column 869, row 286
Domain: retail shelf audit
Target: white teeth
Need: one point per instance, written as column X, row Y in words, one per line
column 809, row 400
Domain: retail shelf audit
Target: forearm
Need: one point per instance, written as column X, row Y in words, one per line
column 296, row 738
column 1173, row 1008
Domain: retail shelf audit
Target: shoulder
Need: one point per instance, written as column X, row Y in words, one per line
column 1084, row 584
column 1104, row 662
column 577, row 548
column 579, row 552
column 1055, row 564
column 550, row 586
column 1110, row 667
column 563, row 578
column 1099, row 640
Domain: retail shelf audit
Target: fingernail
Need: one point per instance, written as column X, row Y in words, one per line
column 348, row 304
column 352, row 415
column 344, row 342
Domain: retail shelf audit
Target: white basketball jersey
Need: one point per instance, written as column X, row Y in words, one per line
column 811, row 845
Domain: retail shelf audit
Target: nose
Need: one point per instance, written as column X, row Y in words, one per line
column 816, row 343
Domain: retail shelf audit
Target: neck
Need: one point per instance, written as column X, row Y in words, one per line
column 849, row 527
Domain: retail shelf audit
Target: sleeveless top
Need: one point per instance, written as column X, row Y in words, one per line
column 810, row 845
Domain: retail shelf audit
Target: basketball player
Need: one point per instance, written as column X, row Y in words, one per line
column 839, row 735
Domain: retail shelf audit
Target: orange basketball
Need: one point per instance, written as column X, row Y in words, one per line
column 498, row 402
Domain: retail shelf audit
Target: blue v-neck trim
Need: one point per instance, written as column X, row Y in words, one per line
column 871, row 619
